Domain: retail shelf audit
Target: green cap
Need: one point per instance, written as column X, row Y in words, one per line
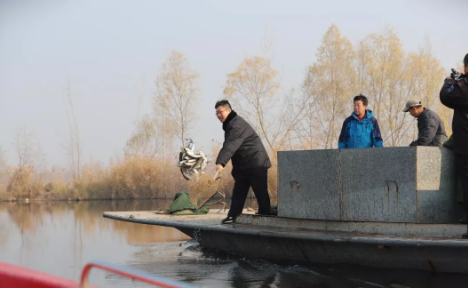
column 411, row 103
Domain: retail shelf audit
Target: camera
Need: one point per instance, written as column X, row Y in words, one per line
column 457, row 76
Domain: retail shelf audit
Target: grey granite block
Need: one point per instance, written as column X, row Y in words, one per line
column 379, row 184
column 308, row 184
column 436, row 184
column 396, row 184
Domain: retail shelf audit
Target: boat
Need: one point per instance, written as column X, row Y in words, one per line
column 388, row 208
column 21, row 277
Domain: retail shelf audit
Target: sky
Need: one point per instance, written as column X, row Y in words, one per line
column 110, row 51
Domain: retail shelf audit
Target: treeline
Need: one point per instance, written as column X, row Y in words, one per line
column 310, row 116
column 307, row 117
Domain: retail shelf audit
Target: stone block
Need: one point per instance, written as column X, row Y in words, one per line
column 436, row 186
column 379, row 184
column 308, row 184
column 392, row 184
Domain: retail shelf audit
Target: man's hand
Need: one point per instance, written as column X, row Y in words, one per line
column 219, row 169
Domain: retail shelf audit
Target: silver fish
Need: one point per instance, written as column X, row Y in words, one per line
column 203, row 164
column 185, row 173
column 191, row 153
column 190, row 162
column 198, row 163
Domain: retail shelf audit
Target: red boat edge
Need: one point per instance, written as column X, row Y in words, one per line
column 21, row 277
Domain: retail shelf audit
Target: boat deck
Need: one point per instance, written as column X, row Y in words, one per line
column 394, row 234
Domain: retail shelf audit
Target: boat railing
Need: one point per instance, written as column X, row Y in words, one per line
column 130, row 273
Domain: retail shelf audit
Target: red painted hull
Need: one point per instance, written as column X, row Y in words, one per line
column 20, row 277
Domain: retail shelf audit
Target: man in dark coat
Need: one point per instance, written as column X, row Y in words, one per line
column 454, row 94
column 250, row 161
column 431, row 129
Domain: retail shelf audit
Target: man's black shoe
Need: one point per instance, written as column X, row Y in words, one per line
column 228, row 220
column 463, row 220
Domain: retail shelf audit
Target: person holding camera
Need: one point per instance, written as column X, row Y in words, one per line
column 454, row 95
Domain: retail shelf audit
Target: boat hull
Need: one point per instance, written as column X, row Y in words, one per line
column 299, row 243
column 435, row 258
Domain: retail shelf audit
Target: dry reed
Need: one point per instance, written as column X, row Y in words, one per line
column 131, row 178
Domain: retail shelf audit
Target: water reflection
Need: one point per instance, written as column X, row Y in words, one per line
column 205, row 269
column 59, row 238
column 87, row 218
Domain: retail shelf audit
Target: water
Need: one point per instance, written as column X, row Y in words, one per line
column 60, row 238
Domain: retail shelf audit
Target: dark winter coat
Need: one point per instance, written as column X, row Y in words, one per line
column 243, row 146
column 455, row 95
column 431, row 130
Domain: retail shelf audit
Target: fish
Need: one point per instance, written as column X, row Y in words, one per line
column 186, row 173
column 198, row 163
column 203, row 164
column 191, row 162
column 191, row 153
column 185, row 165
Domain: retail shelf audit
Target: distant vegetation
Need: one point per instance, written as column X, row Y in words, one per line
column 309, row 117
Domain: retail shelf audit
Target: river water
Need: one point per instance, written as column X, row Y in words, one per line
column 60, row 238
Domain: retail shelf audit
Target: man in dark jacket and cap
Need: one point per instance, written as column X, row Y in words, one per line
column 454, row 94
column 431, row 129
column 250, row 161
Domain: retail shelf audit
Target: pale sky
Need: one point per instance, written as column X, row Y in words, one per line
column 107, row 48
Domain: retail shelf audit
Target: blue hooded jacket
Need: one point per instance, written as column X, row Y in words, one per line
column 360, row 134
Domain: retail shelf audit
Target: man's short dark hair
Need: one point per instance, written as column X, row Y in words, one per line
column 362, row 98
column 465, row 61
column 223, row 103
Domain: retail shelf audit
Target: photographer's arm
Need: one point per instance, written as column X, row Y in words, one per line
column 454, row 94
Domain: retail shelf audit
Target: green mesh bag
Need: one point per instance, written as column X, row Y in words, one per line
column 181, row 205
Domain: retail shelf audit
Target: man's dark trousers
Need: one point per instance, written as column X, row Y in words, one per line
column 461, row 161
column 258, row 180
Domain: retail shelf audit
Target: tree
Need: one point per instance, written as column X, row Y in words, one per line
column 390, row 77
column 146, row 140
column 252, row 88
column 30, row 159
column 331, row 83
column 173, row 111
column 381, row 70
column 28, row 149
column 177, row 93
column 74, row 145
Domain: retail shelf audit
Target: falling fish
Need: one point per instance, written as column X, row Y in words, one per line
column 191, row 153
column 191, row 163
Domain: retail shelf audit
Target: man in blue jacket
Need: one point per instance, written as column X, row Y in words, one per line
column 360, row 130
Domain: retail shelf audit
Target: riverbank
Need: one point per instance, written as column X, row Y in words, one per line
column 132, row 178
